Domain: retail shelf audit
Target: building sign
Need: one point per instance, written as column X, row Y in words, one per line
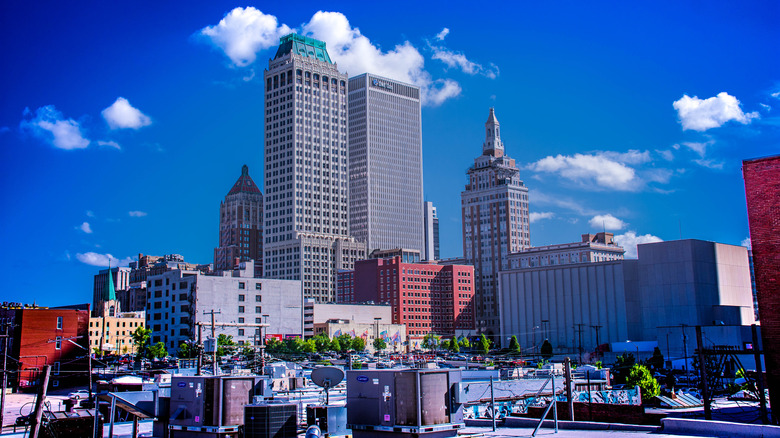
column 381, row 84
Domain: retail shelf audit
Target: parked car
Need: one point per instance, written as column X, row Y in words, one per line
column 81, row 393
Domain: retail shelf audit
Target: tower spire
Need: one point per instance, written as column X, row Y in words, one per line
column 110, row 293
column 493, row 145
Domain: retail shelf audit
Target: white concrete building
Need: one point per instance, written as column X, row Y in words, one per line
column 599, row 247
column 306, row 227
column 431, row 224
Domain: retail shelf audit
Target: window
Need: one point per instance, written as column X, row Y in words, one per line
column 59, row 323
column 258, row 299
column 240, row 309
column 258, row 286
column 241, row 298
column 240, row 332
column 56, row 369
column 241, row 285
column 240, row 320
column 58, row 343
column 258, row 309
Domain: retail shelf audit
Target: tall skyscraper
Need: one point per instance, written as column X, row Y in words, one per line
column 241, row 225
column 431, row 222
column 762, row 191
column 385, row 163
column 306, row 157
column 495, row 222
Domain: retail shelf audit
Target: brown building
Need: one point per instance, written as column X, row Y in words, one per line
column 762, row 191
column 241, row 226
column 41, row 336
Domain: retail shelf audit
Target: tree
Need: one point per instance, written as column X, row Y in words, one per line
column 185, row 351
column 158, row 350
column 358, row 344
column 656, row 362
column 273, row 345
column 335, row 345
column 309, row 346
column 546, row 350
column 454, row 347
column 141, row 337
column 322, row 342
column 445, row 344
column 345, row 341
column 640, row 376
column 464, row 342
column 294, row 345
column 484, row 344
column 248, row 352
column 225, row 345
column 514, row 346
column 430, row 341
column 379, row 344
column 622, row 367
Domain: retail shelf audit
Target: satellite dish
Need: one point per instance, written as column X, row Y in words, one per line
column 327, row 377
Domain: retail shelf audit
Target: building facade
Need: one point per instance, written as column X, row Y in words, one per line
column 181, row 301
column 114, row 334
column 385, row 163
column 320, row 313
column 41, row 336
column 762, row 191
column 241, row 225
column 120, row 280
column 431, row 224
column 599, row 247
column 495, row 222
column 306, row 204
column 427, row 298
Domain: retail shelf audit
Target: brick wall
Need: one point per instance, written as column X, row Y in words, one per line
column 762, row 192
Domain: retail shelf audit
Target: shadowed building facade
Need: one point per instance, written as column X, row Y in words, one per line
column 241, row 225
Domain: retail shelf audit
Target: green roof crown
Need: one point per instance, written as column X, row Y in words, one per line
column 110, row 293
column 303, row 46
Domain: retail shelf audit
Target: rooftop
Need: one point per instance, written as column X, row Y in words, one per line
column 303, row 46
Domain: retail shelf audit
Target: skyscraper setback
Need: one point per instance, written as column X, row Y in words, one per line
column 241, row 225
column 495, row 221
column 385, row 163
column 306, row 206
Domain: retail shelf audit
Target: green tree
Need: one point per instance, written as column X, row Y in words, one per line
column 158, row 350
column 546, row 349
column 622, row 367
column 465, row 343
column 514, row 346
column 454, row 347
column 656, row 362
column 335, row 345
column 484, row 344
column 358, row 344
column 379, row 344
column 294, row 345
column 345, row 341
column 322, row 342
column 248, row 352
column 225, row 345
column 430, row 341
column 185, row 351
column 445, row 344
column 642, row 377
column 309, row 346
column 141, row 337
column 273, row 345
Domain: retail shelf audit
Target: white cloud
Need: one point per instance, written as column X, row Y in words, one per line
column 665, row 154
column 776, row 95
column 122, row 115
column 246, row 31
column 137, row 213
column 766, row 107
column 243, row 32
column 49, row 125
column 85, row 228
column 109, row 143
column 703, row 114
column 606, row 221
column 747, row 243
column 698, row 147
column 710, row 164
column 90, row 213
column 533, row 216
column 459, row 60
column 441, row 35
column 102, row 260
column 633, row 156
column 630, row 240
column 595, row 170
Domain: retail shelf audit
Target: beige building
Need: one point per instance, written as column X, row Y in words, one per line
column 393, row 334
column 113, row 334
column 599, row 247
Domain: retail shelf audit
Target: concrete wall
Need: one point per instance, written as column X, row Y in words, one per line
column 358, row 313
column 592, row 294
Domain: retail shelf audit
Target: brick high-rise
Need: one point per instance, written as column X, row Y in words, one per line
column 762, row 190
column 306, row 228
column 241, row 225
column 495, row 222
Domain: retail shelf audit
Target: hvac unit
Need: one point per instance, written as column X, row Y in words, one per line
column 271, row 420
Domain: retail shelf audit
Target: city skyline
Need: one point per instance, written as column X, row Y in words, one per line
column 123, row 136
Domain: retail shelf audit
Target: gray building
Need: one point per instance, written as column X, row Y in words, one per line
column 241, row 225
column 431, row 223
column 385, row 163
column 690, row 282
column 306, row 224
column 178, row 299
column 495, row 223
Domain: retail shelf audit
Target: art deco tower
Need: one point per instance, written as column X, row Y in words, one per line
column 241, row 225
column 306, row 169
column 495, row 222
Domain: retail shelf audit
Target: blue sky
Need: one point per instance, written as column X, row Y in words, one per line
column 123, row 125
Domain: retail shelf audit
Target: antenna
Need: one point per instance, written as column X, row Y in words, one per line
column 327, row 377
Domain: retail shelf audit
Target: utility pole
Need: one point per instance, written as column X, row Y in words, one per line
column 685, row 352
column 213, row 336
column 597, row 328
column 5, row 374
column 705, row 391
column 36, row 422
column 579, row 329
column 759, row 376
column 200, row 349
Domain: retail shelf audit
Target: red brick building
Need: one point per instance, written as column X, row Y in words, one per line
column 428, row 298
column 42, row 336
column 762, row 191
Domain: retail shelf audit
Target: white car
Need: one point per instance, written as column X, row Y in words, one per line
column 81, row 393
